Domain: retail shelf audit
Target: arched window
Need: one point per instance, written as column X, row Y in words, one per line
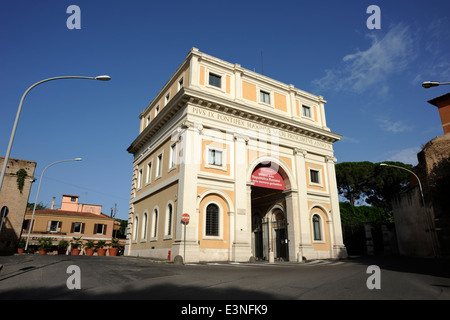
column 317, row 227
column 212, row 220
column 135, row 227
column 144, row 226
column 155, row 223
column 169, row 217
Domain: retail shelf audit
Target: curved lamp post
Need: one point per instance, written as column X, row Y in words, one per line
column 423, row 201
column 37, row 195
column 8, row 151
column 429, row 84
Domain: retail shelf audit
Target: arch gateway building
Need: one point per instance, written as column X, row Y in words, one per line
column 248, row 158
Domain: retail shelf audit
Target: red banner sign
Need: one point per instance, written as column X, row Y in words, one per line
column 267, row 178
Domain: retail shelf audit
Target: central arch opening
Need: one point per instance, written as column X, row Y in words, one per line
column 270, row 240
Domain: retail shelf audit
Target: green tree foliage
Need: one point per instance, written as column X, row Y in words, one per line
column 353, row 179
column 21, row 175
column 39, row 206
column 386, row 183
column 356, row 216
column 374, row 184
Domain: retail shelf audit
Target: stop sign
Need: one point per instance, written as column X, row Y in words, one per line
column 185, row 218
column 4, row 211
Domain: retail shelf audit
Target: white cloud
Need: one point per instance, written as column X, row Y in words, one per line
column 393, row 126
column 408, row 155
column 368, row 69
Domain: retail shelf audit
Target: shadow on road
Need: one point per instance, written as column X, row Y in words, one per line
column 157, row 292
column 432, row 267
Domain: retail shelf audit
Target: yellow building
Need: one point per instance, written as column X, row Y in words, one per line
column 73, row 219
column 250, row 159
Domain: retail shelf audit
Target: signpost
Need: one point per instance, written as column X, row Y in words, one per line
column 185, row 220
column 4, row 212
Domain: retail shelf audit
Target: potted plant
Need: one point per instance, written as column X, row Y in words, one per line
column 89, row 247
column 31, row 250
column 45, row 244
column 75, row 245
column 100, row 245
column 21, row 246
column 62, row 246
column 114, row 247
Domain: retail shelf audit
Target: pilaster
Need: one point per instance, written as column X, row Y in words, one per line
column 241, row 233
column 190, row 151
column 337, row 245
column 305, row 246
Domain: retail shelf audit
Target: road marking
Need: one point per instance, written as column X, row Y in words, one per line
column 271, row 264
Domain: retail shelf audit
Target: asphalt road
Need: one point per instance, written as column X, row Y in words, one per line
column 33, row 277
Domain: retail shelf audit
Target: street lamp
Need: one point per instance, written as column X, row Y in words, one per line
column 429, row 84
column 37, row 195
column 11, row 139
column 423, row 201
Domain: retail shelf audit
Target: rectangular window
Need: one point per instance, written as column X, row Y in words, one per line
column 306, row 111
column 215, row 80
column 264, row 97
column 173, row 156
column 314, row 176
column 54, row 226
column 100, row 228
column 215, row 157
column 77, row 227
column 26, row 224
column 159, row 165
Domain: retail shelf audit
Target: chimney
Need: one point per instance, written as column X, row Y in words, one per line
column 53, row 203
column 443, row 104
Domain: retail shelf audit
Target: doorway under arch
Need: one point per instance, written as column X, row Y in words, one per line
column 270, row 240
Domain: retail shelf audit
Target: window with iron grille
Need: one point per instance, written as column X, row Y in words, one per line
column 212, row 220
column 317, row 227
column 169, row 219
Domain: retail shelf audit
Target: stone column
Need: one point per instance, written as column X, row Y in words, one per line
column 337, row 241
column 306, row 249
column 189, row 157
column 293, row 219
column 241, row 247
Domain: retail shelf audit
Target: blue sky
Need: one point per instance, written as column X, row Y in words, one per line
column 371, row 79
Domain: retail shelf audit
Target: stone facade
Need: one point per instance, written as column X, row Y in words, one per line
column 15, row 200
column 250, row 159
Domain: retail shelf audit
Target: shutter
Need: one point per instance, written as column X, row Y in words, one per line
column 104, row 228
column 72, row 227
column 82, row 227
column 58, row 229
column 95, row 229
column 49, row 223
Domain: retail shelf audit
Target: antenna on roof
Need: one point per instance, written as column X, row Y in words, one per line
column 114, row 211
